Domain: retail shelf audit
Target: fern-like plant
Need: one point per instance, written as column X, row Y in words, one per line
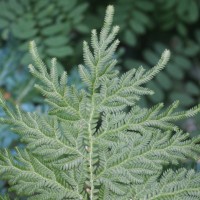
column 97, row 143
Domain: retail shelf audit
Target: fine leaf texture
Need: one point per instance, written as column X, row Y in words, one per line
column 97, row 143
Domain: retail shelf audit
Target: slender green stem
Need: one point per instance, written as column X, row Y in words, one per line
column 91, row 153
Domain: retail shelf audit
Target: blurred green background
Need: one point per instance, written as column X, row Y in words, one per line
column 59, row 28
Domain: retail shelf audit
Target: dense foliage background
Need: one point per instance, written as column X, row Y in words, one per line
column 60, row 26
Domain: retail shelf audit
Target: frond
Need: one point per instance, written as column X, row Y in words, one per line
column 135, row 157
column 53, row 87
column 29, row 175
column 97, row 143
column 139, row 119
column 100, row 63
column 180, row 184
column 127, row 89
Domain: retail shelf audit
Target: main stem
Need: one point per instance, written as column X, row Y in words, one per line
column 91, row 134
column 91, row 152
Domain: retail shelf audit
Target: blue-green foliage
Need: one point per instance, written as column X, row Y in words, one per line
column 177, row 14
column 8, row 65
column 134, row 19
column 9, row 60
column 147, row 28
column 53, row 24
column 97, row 142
